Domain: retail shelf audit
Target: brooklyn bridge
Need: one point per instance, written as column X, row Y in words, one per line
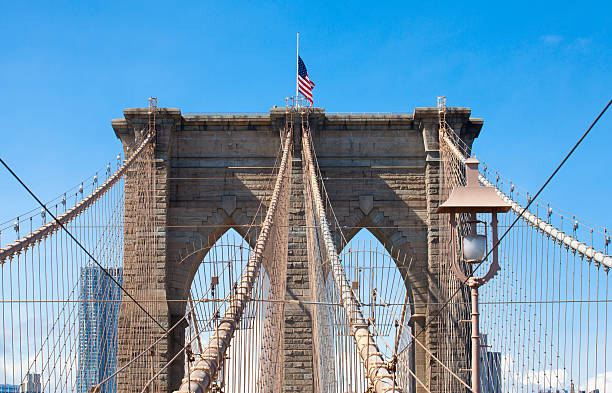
column 299, row 250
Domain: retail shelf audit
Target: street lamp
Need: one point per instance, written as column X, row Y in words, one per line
column 463, row 204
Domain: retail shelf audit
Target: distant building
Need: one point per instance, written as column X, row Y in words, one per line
column 490, row 369
column 31, row 384
column 98, row 321
column 9, row 388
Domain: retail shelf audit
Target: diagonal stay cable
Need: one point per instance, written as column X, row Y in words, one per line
column 80, row 245
column 567, row 156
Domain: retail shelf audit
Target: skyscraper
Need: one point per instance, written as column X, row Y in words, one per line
column 31, row 384
column 98, row 320
column 490, row 377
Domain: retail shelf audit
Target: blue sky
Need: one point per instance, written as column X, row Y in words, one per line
column 538, row 73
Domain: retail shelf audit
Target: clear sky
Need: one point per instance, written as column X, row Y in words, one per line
column 537, row 72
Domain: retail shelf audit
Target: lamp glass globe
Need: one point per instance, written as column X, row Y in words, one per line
column 474, row 247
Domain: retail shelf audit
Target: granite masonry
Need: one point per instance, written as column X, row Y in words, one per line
column 381, row 171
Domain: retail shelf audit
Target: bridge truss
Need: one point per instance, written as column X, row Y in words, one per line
column 67, row 307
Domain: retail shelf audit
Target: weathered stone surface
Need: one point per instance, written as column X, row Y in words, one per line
column 229, row 204
column 381, row 172
column 366, row 203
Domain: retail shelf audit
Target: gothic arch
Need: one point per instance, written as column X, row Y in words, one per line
column 203, row 239
column 405, row 248
column 378, row 249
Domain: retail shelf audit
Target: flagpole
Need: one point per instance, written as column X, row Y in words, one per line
column 297, row 62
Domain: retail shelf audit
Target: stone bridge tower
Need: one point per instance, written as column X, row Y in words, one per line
column 381, row 171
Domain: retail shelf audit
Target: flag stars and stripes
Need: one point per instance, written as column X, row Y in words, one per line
column 305, row 85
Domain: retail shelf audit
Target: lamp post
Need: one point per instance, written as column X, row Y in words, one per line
column 466, row 202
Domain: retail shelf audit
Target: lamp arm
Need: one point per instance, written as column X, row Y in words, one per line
column 494, row 268
column 454, row 263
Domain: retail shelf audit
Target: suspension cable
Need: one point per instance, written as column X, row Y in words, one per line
column 567, row 156
column 61, row 225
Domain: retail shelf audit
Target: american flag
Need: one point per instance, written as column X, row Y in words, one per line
column 305, row 85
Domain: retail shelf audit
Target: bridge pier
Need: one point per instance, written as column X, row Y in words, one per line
column 203, row 160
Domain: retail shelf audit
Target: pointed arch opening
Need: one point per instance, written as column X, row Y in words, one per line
column 212, row 290
column 404, row 244
column 380, row 285
column 215, row 279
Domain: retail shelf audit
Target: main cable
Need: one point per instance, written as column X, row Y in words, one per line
column 80, row 245
column 543, row 186
column 446, row 303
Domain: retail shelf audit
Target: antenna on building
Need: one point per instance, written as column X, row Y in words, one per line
column 442, row 112
column 152, row 112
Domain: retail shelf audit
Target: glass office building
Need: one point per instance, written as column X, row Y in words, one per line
column 490, row 368
column 98, row 321
column 9, row 388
